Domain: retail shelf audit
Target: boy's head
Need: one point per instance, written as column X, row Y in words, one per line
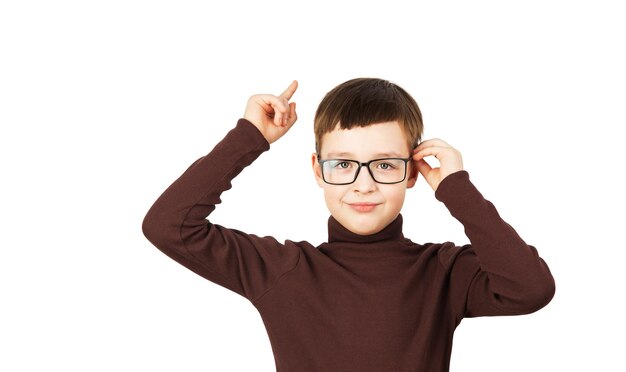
column 361, row 120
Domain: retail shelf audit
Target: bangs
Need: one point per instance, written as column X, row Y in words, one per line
column 359, row 112
column 365, row 101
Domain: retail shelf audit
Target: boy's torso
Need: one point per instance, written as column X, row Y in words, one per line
column 387, row 310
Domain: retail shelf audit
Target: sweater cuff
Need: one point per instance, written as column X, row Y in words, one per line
column 252, row 134
column 457, row 192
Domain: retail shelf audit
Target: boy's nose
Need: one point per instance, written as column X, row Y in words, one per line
column 364, row 181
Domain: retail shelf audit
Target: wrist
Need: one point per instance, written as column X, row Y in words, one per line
column 253, row 130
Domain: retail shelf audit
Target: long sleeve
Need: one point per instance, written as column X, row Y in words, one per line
column 498, row 273
column 176, row 223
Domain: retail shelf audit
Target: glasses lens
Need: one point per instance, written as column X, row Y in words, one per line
column 388, row 170
column 340, row 171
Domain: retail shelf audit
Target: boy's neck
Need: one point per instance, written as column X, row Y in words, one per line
column 337, row 233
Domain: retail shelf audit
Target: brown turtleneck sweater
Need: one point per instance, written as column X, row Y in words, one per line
column 358, row 302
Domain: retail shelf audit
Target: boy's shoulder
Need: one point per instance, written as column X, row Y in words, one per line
column 446, row 252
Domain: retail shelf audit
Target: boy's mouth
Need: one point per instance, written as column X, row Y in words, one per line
column 363, row 207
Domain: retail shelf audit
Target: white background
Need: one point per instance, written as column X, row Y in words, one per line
column 104, row 104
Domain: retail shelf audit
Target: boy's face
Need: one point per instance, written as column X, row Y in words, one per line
column 363, row 144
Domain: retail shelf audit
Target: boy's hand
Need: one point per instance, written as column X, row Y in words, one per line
column 272, row 115
column 450, row 160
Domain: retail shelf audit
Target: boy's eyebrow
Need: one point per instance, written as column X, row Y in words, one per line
column 380, row 154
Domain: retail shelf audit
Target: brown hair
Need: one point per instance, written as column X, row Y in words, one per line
column 365, row 101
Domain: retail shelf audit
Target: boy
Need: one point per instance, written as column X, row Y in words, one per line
column 369, row 299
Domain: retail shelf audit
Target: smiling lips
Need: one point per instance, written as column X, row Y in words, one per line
column 363, row 207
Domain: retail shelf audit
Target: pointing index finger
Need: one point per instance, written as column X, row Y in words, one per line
column 291, row 89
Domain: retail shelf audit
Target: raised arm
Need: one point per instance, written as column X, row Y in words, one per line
column 498, row 273
column 176, row 223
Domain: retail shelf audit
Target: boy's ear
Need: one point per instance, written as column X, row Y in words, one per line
column 413, row 173
column 317, row 170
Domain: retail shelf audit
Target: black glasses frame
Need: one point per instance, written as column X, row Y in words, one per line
column 366, row 165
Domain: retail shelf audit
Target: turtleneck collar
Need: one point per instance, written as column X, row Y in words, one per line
column 337, row 233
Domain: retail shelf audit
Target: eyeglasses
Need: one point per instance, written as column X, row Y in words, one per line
column 345, row 171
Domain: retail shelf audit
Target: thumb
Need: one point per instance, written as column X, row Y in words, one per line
column 293, row 116
column 423, row 167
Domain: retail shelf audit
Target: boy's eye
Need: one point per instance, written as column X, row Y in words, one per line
column 386, row 166
column 343, row 164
